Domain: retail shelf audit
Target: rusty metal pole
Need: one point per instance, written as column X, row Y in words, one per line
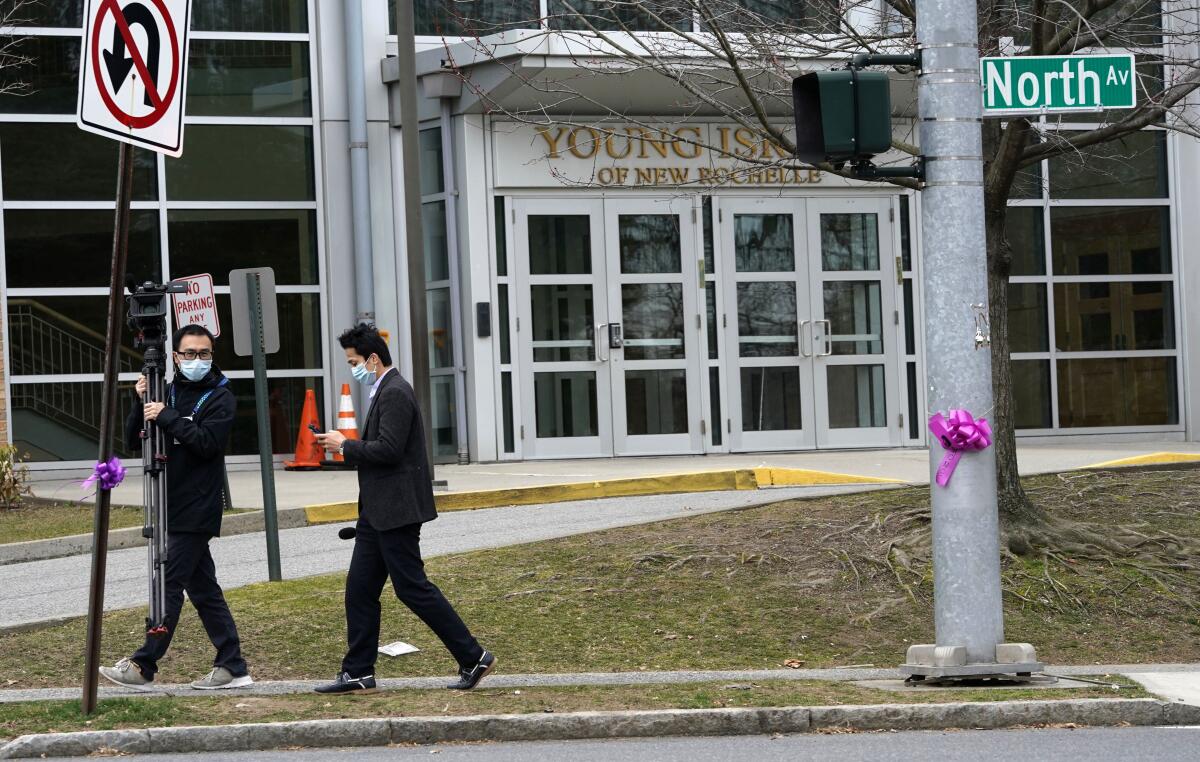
column 108, row 424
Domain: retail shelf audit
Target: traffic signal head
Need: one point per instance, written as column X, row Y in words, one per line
column 841, row 116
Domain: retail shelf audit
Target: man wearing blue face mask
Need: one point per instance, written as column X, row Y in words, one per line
column 196, row 419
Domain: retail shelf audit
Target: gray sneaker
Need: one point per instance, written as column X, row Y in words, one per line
column 125, row 674
column 221, row 678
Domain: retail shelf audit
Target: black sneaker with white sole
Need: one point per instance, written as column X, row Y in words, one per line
column 469, row 678
column 344, row 683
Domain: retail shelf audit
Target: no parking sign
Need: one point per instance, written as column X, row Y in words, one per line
column 134, row 72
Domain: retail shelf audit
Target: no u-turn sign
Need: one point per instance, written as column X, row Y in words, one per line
column 134, row 71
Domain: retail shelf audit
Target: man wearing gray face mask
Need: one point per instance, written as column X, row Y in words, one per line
column 196, row 419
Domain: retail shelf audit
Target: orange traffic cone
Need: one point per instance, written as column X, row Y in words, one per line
column 347, row 424
column 308, row 452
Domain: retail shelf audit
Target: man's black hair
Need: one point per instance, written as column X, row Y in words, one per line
column 366, row 341
column 191, row 330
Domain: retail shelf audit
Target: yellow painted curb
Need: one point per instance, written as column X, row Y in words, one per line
column 701, row 481
column 1151, row 459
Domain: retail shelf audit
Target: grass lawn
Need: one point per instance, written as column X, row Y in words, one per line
column 751, row 588
column 40, row 519
column 192, row 709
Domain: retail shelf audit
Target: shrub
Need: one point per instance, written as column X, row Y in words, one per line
column 14, row 477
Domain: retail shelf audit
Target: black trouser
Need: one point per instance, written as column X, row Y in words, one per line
column 190, row 568
column 396, row 553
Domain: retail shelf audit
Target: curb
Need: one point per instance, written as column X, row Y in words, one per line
column 594, row 725
column 131, row 537
column 1150, row 459
column 701, row 481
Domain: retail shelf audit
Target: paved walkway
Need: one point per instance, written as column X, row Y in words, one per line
column 40, row 591
column 296, row 489
column 1181, row 673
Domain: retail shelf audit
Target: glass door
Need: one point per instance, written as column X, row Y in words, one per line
column 652, row 342
column 768, row 361
column 853, row 331
column 562, row 313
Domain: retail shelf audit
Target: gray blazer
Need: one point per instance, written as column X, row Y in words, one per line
column 395, row 482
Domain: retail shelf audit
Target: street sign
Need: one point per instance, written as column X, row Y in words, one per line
column 239, row 298
column 198, row 306
column 134, row 72
column 1051, row 84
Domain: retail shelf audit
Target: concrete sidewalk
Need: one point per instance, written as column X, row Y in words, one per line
column 295, row 489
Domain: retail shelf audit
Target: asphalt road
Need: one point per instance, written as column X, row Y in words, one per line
column 56, row 588
column 1168, row 744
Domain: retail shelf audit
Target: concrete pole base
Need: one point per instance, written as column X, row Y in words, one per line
column 934, row 661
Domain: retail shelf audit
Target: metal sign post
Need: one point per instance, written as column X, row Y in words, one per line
column 256, row 333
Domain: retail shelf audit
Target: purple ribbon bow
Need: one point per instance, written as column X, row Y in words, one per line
column 107, row 475
column 958, row 434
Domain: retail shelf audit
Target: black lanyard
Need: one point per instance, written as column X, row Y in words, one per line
column 203, row 398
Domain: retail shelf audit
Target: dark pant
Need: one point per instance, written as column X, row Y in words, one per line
column 190, row 568
column 396, row 553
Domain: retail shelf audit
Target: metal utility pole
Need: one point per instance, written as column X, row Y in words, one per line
column 968, row 615
column 406, row 58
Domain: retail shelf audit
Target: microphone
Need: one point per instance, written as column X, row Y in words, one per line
column 347, row 533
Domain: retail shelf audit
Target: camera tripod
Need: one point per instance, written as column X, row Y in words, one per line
column 154, row 486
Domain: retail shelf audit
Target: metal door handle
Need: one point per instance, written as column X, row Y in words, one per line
column 800, row 333
column 828, row 339
column 600, row 339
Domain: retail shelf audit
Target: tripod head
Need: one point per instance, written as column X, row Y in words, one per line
column 148, row 315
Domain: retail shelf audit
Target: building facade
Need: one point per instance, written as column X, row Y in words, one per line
column 594, row 287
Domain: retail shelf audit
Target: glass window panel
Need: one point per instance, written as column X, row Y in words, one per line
column 1112, row 240
column 717, row 422
column 620, row 15
column 285, row 400
column 710, row 300
column 560, row 244
column 910, row 323
column 248, row 78
column 1027, row 183
column 767, row 319
column 299, row 336
column 243, row 163
column 1133, row 166
column 649, row 243
column 501, row 238
column 250, row 15
column 441, row 337
column 503, row 327
column 42, row 74
column 60, row 162
column 1025, row 228
column 430, row 143
column 770, row 399
column 59, row 335
column 814, row 15
column 653, row 320
column 506, row 411
column 1031, row 394
column 1148, row 393
column 706, row 214
column 79, row 243
column 433, row 229
column 216, row 241
column 61, row 421
column 1027, row 317
column 48, row 13
column 565, row 404
column 856, row 396
column 442, row 411
column 849, row 242
column 853, row 309
column 470, row 18
column 1097, row 317
column 914, row 417
column 656, row 402
column 763, row 243
column 562, row 322
column 905, row 235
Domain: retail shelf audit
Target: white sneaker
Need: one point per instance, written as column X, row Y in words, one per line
column 126, row 674
column 221, row 678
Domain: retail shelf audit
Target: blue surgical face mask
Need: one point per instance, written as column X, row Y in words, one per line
column 362, row 374
column 194, row 370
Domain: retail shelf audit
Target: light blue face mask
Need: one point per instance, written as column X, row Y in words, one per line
column 362, row 374
column 194, row 370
